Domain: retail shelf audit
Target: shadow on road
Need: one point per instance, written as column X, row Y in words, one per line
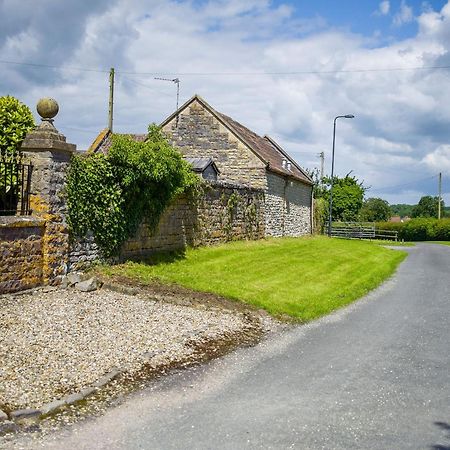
column 446, row 427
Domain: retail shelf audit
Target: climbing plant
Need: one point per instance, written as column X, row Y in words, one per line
column 112, row 194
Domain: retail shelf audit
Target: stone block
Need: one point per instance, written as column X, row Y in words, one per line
column 88, row 391
column 73, row 398
column 20, row 414
column 52, row 407
column 107, row 378
column 88, row 285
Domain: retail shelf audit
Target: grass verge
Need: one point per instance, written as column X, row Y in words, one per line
column 439, row 242
column 304, row 278
column 393, row 243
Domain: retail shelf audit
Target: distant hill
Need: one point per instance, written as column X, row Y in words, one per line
column 403, row 210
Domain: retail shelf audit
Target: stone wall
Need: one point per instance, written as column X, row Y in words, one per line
column 221, row 212
column 288, row 207
column 82, row 253
column 49, row 153
column 21, row 253
column 200, row 134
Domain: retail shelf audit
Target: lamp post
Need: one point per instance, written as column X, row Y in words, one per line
column 347, row 116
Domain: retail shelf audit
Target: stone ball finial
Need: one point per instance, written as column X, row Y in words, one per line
column 47, row 108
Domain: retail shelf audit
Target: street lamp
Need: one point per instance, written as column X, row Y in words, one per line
column 347, row 116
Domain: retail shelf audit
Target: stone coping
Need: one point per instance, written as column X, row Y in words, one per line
column 228, row 185
column 21, row 221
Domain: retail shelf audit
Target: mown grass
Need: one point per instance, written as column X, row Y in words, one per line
column 304, row 278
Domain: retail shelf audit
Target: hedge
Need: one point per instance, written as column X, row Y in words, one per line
column 420, row 229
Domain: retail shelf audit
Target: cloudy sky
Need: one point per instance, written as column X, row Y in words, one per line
column 282, row 68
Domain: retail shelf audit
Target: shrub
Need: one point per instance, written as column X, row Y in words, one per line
column 420, row 229
column 15, row 122
column 320, row 215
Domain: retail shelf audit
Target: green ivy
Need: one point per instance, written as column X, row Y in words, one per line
column 112, row 194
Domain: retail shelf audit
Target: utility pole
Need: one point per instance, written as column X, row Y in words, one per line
column 177, row 82
column 440, row 195
column 111, row 99
column 322, row 163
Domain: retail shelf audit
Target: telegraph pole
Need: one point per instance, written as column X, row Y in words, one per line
column 440, row 195
column 111, row 99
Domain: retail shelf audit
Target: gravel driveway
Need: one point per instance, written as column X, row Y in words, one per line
column 57, row 342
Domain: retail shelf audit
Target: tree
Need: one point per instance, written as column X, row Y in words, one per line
column 16, row 121
column 427, row 207
column 375, row 210
column 348, row 195
column 402, row 210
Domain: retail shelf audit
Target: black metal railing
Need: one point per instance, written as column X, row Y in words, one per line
column 15, row 183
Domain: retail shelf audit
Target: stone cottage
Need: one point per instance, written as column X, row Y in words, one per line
column 222, row 149
column 243, row 157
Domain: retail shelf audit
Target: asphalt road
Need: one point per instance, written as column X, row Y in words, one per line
column 375, row 375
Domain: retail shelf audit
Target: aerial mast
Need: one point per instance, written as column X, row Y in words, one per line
column 177, row 82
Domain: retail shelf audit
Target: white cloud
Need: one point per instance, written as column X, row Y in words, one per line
column 405, row 15
column 439, row 159
column 384, row 7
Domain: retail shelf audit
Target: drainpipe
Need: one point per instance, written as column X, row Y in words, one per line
column 284, row 206
column 312, row 210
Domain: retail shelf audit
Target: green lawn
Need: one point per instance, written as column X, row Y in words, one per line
column 304, row 278
column 439, row 242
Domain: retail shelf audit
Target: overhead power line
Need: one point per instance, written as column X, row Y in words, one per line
column 300, row 72
column 48, row 66
column 404, row 184
column 137, row 83
column 263, row 73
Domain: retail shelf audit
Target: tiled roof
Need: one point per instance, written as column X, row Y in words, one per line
column 268, row 150
column 103, row 142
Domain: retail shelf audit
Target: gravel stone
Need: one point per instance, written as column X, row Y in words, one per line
column 57, row 343
column 8, row 426
column 3, row 416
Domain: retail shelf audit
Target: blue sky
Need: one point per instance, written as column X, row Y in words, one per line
column 282, row 68
column 364, row 16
